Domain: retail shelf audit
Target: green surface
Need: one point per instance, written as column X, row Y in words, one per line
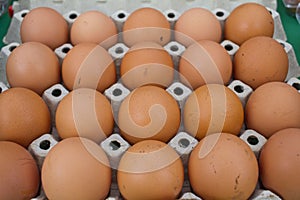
column 4, row 24
column 291, row 27
column 290, row 24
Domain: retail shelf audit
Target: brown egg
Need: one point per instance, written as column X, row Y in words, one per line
column 280, row 163
column 260, row 60
column 205, row 62
column 34, row 66
column 197, row 24
column 19, row 173
column 95, row 27
column 146, row 24
column 272, row 107
column 84, row 113
column 222, row 166
column 44, row 25
column 88, row 65
column 150, row 169
column 248, row 20
column 149, row 112
column 146, row 63
column 24, row 116
column 212, row 109
column 76, row 168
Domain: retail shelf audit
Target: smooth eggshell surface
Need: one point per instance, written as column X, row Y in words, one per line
column 76, row 168
column 150, row 170
column 260, row 60
column 95, row 27
column 248, row 20
column 24, row 116
column 197, row 24
column 146, row 63
column 222, row 166
column 149, row 112
column 272, row 107
column 19, row 173
column 84, row 113
column 44, row 25
column 88, row 65
column 205, row 62
column 146, row 24
column 212, row 109
column 34, row 66
column 280, row 163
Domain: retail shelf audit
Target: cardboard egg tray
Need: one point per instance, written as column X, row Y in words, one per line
column 115, row 145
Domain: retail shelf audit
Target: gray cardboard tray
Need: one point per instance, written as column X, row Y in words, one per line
column 183, row 143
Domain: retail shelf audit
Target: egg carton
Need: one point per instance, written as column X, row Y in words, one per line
column 115, row 145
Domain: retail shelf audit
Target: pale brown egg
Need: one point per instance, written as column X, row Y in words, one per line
column 95, row 27
column 34, row 66
column 248, row 20
column 197, row 24
column 149, row 112
column 222, row 166
column 146, row 24
column 272, row 107
column 76, row 168
column 24, row 116
column 280, row 163
column 88, row 65
column 147, row 63
column 212, row 109
column 84, row 113
column 150, row 169
column 19, row 173
column 205, row 62
column 45, row 25
column 260, row 60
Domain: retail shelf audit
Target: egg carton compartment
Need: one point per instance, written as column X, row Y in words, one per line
column 115, row 145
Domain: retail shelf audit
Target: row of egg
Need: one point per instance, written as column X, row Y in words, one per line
column 146, row 24
column 154, row 112
column 242, row 168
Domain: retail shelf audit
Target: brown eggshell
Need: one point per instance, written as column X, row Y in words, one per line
column 146, row 63
column 222, row 166
column 280, row 163
column 197, row 24
column 34, row 66
column 94, row 27
column 85, row 113
column 24, row 116
column 248, row 20
column 88, row 65
column 212, row 109
column 205, row 62
column 260, row 60
column 272, row 107
column 148, row 112
column 44, row 25
column 146, row 24
column 150, row 170
column 19, row 173
column 76, row 168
